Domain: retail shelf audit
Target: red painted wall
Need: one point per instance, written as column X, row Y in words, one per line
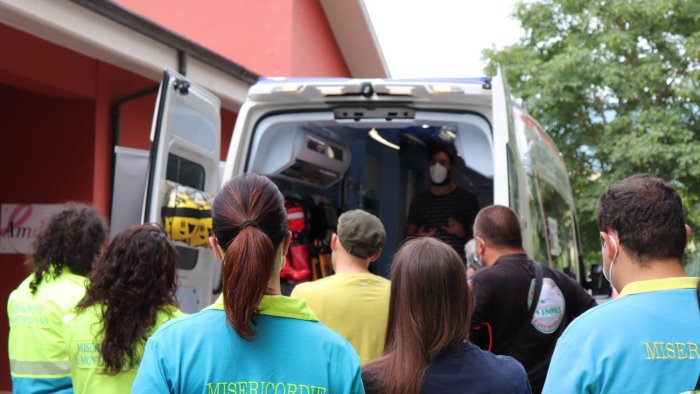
column 314, row 50
column 48, row 160
column 270, row 37
column 55, row 143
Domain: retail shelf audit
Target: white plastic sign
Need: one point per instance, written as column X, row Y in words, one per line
column 20, row 223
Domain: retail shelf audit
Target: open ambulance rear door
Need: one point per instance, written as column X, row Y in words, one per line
column 185, row 150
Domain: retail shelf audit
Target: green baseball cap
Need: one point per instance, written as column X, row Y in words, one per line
column 360, row 233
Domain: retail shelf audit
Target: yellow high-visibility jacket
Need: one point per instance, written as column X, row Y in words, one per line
column 38, row 356
column 83, row 337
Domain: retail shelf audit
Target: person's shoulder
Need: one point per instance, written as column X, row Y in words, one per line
column 378, row 280
column 488, row 274
column 383, row 281
column 595, row 318
column 499, row 366
column 22, row 289
column 312, row 287
column 182, row 325
column 83, row 317
column 328, row 339
column 463, row 193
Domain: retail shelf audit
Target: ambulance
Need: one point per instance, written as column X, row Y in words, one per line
column 337, row 144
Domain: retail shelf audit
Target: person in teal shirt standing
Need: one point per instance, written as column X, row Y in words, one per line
column 252, row 339
column 131, row 293
column 64, row 253
column 647, row 340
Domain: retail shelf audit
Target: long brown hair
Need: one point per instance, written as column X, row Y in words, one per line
column 134, row 279
column 429, row 309
column 249, row 222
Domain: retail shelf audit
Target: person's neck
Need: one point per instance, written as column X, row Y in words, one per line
column 633, row 271
column 345, row 264
column 273, row 284
column 441, row 190
column 498, row 253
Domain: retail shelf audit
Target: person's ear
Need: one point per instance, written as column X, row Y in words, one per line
column 479, row 246
column 334, row 242
column 217, row 249
column 688, row 233
column 376, row 255
column 610, row 244
column 287, row 241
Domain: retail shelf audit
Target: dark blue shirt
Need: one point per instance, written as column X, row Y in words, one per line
column 468, row 369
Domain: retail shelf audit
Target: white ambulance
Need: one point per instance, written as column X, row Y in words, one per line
column 340, row 144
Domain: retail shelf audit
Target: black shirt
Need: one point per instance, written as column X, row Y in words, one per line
column 431, row 212
column 501, row 324
column 466, row 369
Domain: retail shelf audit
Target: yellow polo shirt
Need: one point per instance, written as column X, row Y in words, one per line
column 356, row 306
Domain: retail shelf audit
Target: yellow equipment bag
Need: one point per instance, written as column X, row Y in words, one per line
column 187, row 216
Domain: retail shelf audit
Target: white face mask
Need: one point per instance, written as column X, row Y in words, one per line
column 609, row 275
column 438, row 173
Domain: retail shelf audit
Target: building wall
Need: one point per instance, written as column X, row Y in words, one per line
column 270, row 37
column 56, row 104
column 48, row 161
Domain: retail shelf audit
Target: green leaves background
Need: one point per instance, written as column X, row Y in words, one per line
column 616, row 84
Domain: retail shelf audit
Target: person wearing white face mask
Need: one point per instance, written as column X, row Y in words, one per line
column 445, row 210
column 648, row 339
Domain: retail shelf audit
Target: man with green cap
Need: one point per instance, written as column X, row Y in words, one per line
column 353, row 302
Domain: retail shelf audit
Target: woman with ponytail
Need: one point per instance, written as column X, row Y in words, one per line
column 131, row 293
column 252, row 339
column 427, row 348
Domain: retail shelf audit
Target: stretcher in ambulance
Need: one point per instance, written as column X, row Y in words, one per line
column 336, row 144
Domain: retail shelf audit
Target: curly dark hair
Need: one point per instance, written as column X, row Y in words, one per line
column 72, row 238
column 131, row 282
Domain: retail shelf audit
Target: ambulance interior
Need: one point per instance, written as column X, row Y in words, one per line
column 326, row 163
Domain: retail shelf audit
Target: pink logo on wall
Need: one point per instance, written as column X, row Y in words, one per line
column 19, row 224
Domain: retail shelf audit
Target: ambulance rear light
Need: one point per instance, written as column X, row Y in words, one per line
column 445, row 89
column 331, row 90
column 291, row 88
column 395, row 90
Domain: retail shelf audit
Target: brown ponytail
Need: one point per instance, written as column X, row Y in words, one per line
column 249, row 222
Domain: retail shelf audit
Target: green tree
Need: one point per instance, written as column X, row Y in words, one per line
column 616, row 84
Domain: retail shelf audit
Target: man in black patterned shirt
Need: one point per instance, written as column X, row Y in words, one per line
column 445, row 210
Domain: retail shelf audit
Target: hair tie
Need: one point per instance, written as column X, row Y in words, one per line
column 247, row 223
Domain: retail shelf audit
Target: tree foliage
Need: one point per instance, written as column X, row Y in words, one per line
column 616, row 84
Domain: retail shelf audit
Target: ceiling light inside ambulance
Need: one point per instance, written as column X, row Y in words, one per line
column 375, row 136
column 445, row 89
column 331, row 90
column 295, row 88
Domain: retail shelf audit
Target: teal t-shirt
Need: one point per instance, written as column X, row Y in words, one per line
column 292, row 353
column 646, row 341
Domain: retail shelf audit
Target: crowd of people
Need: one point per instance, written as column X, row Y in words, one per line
column 99, row 316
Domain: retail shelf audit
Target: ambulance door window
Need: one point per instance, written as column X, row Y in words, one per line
column 185, row 172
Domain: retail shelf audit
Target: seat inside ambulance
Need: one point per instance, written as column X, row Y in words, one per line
column 326, row 163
